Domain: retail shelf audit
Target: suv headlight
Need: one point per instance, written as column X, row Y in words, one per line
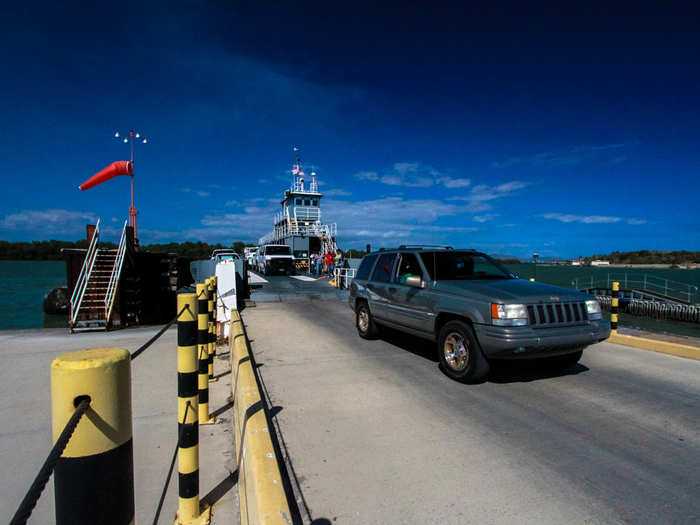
column 509, row 314
column 593, row 309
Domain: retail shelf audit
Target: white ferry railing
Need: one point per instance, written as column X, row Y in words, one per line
column 287, row 228
column 81, row 284
column 343, row 276
column 304, row 213
column 115, row 275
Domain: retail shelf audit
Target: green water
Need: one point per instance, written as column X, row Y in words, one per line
column 23, row 285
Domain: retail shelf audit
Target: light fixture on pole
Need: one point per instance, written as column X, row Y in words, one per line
column 534, row 258
column 131, row 138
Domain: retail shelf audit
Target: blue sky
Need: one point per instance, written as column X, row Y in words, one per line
column 559, row 132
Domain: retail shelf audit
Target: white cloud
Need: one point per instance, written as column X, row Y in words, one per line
column 413, row 175
column 570, row 157
column 480, row 195
column 367, row 175
column 200, row 193
column 590, row 219
column 485, row 218
column 337, row 193
column 449, row 182
column 48, row 221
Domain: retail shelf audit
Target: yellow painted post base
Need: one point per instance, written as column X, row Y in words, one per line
column 204, row 517
column 210, row 421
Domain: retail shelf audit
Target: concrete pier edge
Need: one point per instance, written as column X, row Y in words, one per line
column 656, row 345
column 262, row 496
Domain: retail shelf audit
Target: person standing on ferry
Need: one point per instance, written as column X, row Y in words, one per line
column 329, row 264
column 312, row 263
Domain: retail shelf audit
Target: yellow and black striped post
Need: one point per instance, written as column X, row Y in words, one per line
column 188, row 511
column 614, row 304
column 215, row 299
column 203, row 354
column 94, row 479
column 210, row 306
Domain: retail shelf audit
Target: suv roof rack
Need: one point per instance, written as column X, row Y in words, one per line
column 421, row 246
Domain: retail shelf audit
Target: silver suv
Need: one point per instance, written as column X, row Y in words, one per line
column 473, row 307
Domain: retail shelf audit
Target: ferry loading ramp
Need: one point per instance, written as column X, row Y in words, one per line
column 373, row 432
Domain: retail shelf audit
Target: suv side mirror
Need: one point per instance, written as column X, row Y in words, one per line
column 415, row 281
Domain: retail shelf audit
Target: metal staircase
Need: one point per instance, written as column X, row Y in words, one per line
column 95, row 291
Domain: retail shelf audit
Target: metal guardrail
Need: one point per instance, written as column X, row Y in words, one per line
column 655, row 309
column 343, row 276
column 115, row 275
column 668, row 288
column 85, row 272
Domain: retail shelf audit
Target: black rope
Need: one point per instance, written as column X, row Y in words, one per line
column 222, row 303
column 29, row 502
column 161, row 332
column 172, row 464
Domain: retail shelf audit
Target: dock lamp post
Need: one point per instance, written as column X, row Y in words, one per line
column 131, row 138
column 534, row 258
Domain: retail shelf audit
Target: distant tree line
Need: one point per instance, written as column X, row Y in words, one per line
column 648, row 257
column 51, row 250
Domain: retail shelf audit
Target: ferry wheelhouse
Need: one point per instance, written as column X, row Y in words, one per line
column 299, row 224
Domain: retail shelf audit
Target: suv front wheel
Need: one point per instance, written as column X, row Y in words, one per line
column 366, row 327
column 461, row 357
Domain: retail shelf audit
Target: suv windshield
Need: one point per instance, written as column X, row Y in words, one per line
column 278, row 250
column 463, row 266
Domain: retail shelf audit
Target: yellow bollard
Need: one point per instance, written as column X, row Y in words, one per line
column 188, row 511
column 203, row 355
column 614, row 304
column 94, row 479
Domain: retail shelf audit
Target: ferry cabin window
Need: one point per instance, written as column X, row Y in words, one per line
column 385, row 267
column 314, row 202
column 307, row 202
column 408, row 266
column 365, row 267
column 278, row 250
column 298, row 202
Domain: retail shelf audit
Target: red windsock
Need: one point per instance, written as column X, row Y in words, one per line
column 122, row 167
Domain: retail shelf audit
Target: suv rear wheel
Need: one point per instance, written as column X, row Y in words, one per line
column 461, row 357
column 366, row 327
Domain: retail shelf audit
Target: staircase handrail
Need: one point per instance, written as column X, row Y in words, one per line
column 115, row 275
column 81, row 284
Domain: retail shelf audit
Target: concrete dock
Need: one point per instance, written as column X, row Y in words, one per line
column 374, row 432
column 25, row 409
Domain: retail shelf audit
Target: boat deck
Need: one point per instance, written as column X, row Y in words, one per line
column 284, row 288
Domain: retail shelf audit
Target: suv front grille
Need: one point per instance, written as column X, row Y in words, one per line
column 557, row 313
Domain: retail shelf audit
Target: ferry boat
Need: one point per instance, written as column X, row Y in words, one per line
column 298, row 224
